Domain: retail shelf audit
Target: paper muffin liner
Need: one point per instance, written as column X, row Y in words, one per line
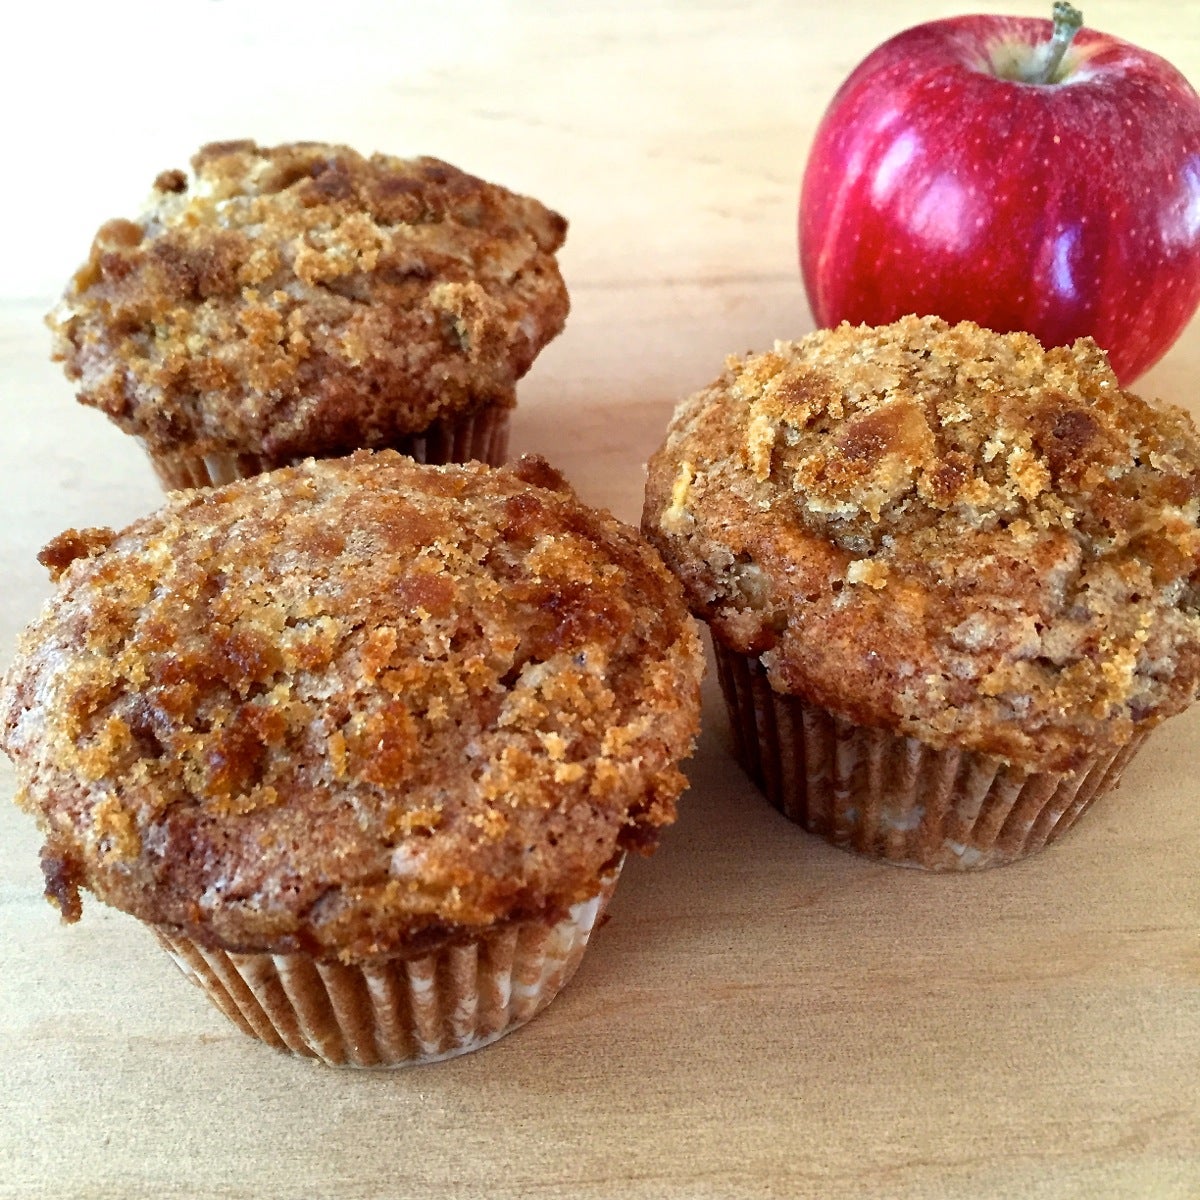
column 893, row 798
column 481, row 435
column 396, row 1012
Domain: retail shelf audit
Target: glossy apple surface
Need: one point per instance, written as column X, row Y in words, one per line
column 937, row 185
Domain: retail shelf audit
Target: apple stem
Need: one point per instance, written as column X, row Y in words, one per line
column 1068, row 20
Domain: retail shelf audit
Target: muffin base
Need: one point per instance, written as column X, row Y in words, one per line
column 479, row 436
column 395, row 1012
column 893, row 798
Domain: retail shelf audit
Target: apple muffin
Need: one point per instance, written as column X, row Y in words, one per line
column 365, row 741
column 951, row 579
column 305, row 300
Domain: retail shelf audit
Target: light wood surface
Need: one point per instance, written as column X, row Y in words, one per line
column 763, row 1015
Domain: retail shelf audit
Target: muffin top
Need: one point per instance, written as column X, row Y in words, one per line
column 304, row 299
column 943, row 532
column 355, row 707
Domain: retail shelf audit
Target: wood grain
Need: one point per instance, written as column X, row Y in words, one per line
column 763, row 1016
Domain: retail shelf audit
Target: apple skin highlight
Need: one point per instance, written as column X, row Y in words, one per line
column 936, row 186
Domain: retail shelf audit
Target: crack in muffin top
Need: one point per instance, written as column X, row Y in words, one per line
column 944, row 532
column 305, row 299
column 355, row 707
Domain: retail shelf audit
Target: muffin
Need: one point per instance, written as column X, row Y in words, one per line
column 364, row 741
column 303, row 300
column 951, row 579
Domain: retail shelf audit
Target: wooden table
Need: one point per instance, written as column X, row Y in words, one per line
column 763, row 1015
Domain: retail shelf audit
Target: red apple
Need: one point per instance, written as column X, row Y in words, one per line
column 946, row 179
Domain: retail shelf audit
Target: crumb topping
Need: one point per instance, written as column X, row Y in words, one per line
column 305, row 299
column 953, row 534
column 352, row 707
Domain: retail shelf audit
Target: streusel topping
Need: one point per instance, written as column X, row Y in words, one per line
column 949, row 533
column 305, row 299
column 353, row 707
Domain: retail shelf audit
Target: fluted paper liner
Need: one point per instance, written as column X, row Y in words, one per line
column 481, row 435
column 894, row 798
column 396, row 1012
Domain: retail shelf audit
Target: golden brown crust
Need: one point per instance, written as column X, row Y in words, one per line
column 304, row 299
column 353, row 707
column 943, row 532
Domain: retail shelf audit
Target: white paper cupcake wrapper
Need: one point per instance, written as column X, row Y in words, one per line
column 481, row 435
column 893, row 798
column 397, row 1012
